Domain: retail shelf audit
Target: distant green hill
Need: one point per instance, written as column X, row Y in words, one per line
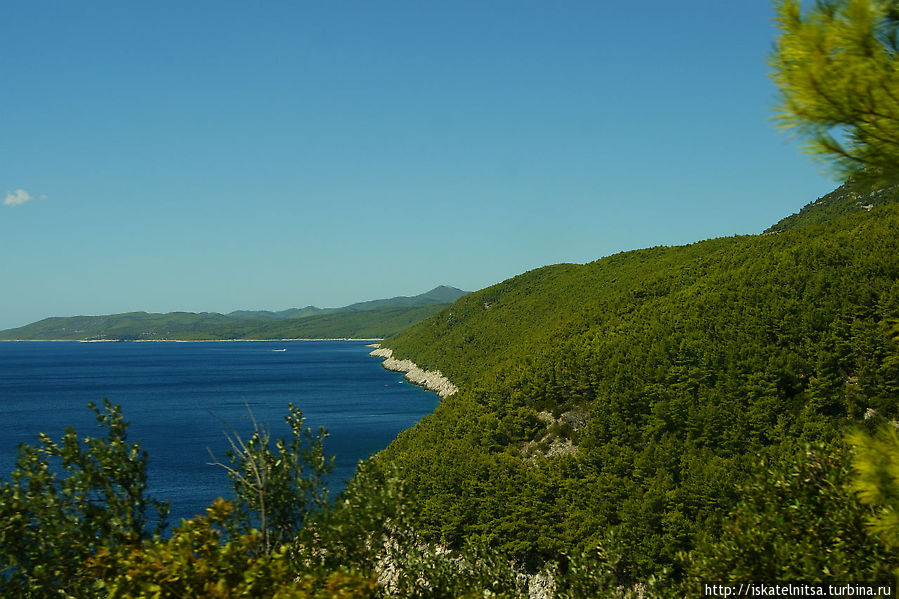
column 617, row 407
column 439, row 295
column 358, row 324
column 377, row 318
column 443, row 294
column 282, row 314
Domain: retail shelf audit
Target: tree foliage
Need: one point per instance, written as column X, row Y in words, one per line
column 276, row 488
column 876, row 481
column 86, row 534
column 202, row 560
column 66, row 500
column 797, row 519
column 371, row 528
column 835, row 65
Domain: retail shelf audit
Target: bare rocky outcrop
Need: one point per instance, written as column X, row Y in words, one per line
column 432, row 380
column 557, row 439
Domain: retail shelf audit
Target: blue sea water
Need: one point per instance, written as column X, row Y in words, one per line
column 180, row 398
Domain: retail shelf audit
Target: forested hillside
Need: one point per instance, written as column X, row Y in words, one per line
column 854, row 196
column 626, row 406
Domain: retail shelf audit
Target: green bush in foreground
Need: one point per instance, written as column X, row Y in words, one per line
column 87, row 534
column 65, row 501
column 200, row 560
column 876, row 482
column 276, row 490
column 825, row 514
column 799, row 519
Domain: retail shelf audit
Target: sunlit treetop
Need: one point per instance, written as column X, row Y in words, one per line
column 834, row 64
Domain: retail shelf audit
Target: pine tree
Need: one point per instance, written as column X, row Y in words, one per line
column 836, row 70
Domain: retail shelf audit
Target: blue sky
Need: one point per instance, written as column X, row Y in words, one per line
column 238, row 155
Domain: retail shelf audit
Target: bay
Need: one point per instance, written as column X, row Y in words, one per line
column 181, row 398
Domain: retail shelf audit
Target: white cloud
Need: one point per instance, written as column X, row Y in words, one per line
column 18, row 197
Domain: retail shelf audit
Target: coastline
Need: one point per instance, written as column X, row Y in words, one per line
column 431, row 380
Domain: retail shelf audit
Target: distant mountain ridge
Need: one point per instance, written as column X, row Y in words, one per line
column 443, row 294
column 280, row 315
column 374, row 318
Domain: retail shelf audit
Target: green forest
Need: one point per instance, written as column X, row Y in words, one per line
column 629, row 405
column 637, row 426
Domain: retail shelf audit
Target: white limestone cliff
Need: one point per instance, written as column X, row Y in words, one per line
column 432, row 380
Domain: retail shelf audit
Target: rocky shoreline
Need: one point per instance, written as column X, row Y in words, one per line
column 432, row 380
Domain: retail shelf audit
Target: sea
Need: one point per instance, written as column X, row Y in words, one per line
column 181, row 398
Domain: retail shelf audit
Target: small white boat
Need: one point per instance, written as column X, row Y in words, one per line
column 279, row 350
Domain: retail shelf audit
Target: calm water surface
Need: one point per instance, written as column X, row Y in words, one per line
column 181, row 397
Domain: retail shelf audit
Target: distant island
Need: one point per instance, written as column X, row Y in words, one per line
column 370, row 319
